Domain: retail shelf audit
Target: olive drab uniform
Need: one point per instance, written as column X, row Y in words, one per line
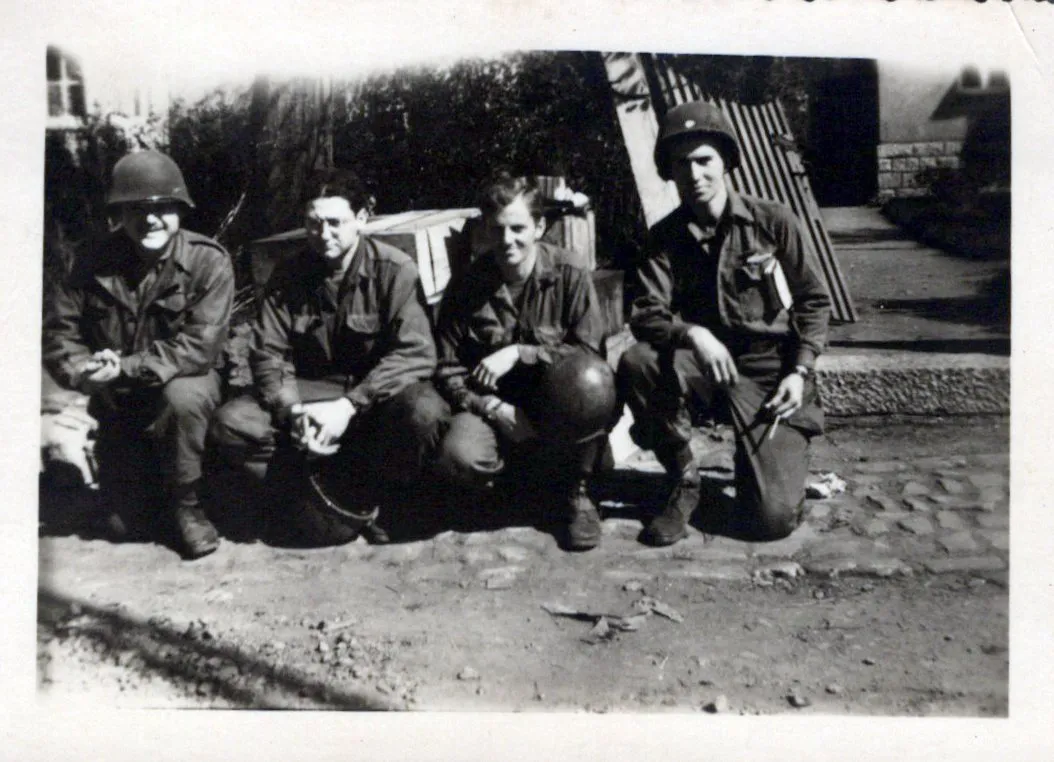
column 556, row 316
column 754, row 283
column 367, row 338
column 169, row 324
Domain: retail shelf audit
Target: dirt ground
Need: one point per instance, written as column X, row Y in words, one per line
column 459, row 620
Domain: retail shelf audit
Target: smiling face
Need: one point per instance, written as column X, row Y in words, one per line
column 151, row 226
column 513, row 234
column 333, row 227
column 698, row 169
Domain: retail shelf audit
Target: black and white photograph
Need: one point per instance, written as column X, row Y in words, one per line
column 601, row 377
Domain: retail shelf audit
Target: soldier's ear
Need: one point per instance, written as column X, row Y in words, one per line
column 362, row 216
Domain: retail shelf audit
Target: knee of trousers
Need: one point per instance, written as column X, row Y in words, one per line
column 241, row 430
column 191, row 397
column 426, row 413
column 468, row 452
column 637, row 369
column 772, row 519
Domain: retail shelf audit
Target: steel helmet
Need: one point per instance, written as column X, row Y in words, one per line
column 578, row 392
column 700, row 119
column 323, row 514
column 147, row 176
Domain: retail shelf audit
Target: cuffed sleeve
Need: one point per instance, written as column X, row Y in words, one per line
column 65, row 348
column 811, row 311
column 451, row 374
column 652, row 318
column 270, row 354
column 583, row 318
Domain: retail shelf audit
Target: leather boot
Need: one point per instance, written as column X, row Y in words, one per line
column 672, row 524
column 197, row 534
column 583, row 528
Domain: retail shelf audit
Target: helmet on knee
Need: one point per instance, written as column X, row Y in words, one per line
column 578, row 392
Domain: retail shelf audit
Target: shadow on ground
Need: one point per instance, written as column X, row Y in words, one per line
column 187, row 659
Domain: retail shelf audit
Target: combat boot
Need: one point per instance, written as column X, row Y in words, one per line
column 583, row 527
column 671, row 525
column 196, row 533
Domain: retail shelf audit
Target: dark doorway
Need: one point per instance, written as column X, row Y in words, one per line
column 843, row 133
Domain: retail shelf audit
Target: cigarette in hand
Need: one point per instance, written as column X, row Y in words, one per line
column 772, row 428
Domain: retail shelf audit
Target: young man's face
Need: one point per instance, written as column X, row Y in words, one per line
column 698, row 170
column 513, row 233
column 150, row 225
column 332, row 226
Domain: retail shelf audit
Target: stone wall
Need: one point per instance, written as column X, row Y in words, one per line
column 900, row 164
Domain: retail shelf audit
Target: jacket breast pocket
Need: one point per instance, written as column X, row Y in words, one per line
column 361, row 334
column 171, row 311
column 749, row 291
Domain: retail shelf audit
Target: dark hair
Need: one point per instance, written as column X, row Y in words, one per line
column 503, row 188
column 327, row 183
column 723, row 144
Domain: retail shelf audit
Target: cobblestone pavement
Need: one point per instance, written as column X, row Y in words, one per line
column 931, row 515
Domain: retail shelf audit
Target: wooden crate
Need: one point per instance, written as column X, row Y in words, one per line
column 609, row 288
column 436, row 239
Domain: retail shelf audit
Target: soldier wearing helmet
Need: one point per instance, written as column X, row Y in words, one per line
column 730, row 316
column 139, row 325
column 519, row 338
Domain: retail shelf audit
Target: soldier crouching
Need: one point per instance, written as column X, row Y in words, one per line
column 519, row 341
column 139, row 326
column 731, row 316
column 341, row 355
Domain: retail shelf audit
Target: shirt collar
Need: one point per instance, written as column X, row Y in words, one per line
column 544, row 266
column 737, row 208
column 544, row 271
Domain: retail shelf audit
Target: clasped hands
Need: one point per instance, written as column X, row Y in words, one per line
column 99, row 370
column 317, row 427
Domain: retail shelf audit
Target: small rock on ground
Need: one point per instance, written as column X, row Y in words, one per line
column 718, row 706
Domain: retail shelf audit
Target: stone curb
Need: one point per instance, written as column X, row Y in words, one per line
column 914, row 383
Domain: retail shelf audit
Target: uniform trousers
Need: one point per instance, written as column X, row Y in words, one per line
column 771, row 464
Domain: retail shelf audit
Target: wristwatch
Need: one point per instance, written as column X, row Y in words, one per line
column 802, row 371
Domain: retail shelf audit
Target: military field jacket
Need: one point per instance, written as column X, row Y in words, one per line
column 375, row 339
column 178, row 327
column 677, row 290
column 559, row 312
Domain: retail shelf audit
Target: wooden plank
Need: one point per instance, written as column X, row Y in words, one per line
column 635, row 109
column 609, row 289
column 577, row 234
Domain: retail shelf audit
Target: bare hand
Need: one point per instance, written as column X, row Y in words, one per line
column 98, row 371
column 512, row 422
column 713, row 356
column 493, row 367
column 787, row 399
column 318, row 426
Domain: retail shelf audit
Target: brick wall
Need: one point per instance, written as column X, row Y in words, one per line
column 899, row 165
